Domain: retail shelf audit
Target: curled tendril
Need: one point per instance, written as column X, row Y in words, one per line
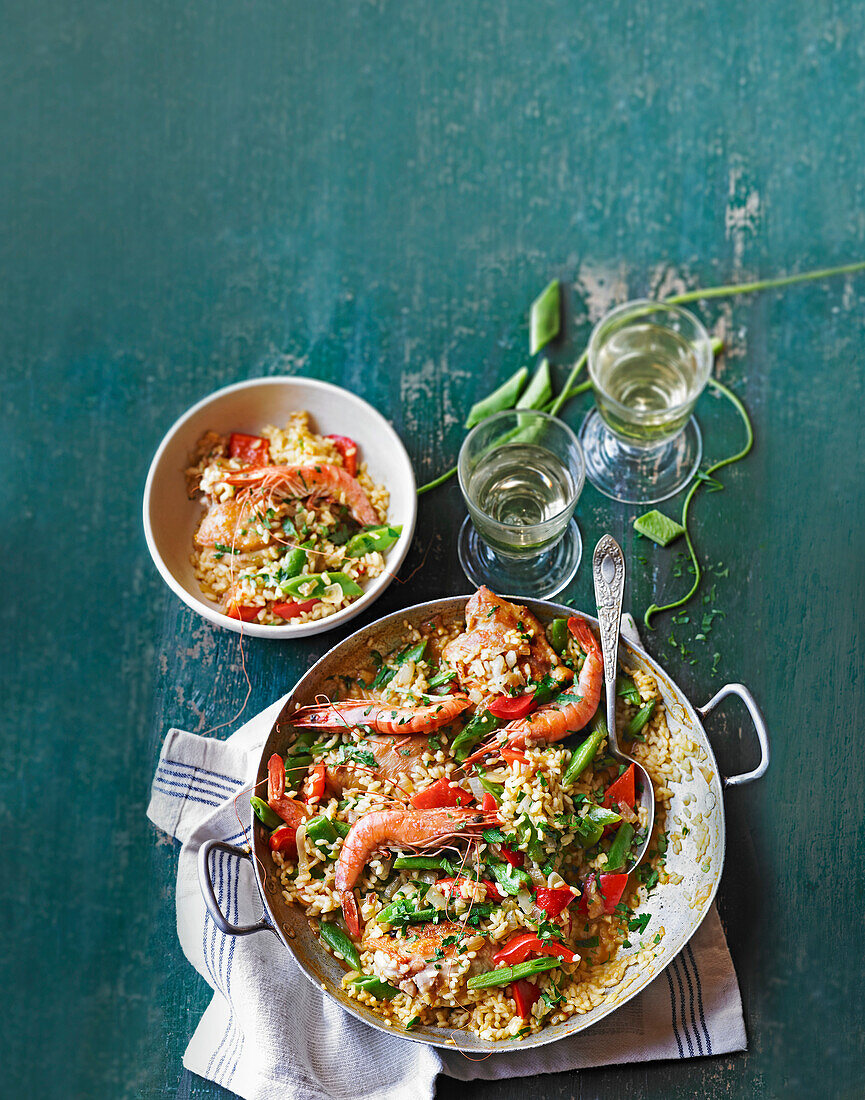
column 656, row 609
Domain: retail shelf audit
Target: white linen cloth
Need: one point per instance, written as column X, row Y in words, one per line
column 270, row 1034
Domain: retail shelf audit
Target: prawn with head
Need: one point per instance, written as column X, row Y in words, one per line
column 398, row 828
column 569, row 712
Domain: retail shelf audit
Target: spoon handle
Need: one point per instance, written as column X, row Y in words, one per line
column 608, row 570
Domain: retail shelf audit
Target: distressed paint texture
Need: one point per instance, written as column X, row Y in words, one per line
column 373, row 193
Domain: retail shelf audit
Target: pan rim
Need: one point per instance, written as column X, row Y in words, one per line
column 449, row 1038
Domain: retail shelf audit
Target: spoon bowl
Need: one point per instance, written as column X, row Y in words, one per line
column 608, row 571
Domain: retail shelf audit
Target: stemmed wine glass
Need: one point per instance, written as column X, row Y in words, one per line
column 521, row 474
column 648, row 363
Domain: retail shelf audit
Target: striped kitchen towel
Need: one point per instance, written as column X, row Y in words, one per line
column 270, row 1034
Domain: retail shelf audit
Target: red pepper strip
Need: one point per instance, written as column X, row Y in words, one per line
column 612, row 888
column 313, row 785
column 249, row 448
column 519, row 947
column 510, row 708
column 447, row 885
column 554, row 901
column 489, row 803
column 284, row 839
column 348, row 449
column 621, row 791
column 525, row 994
column 290, row 608
column 442, row 793
column 238, row 611
column 516, row 859
column 510, row 755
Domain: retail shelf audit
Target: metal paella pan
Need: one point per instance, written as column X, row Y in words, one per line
column 677, row 908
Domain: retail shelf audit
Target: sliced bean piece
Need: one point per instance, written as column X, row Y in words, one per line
column 339, row 941
column 505, row 397
column 545, row 317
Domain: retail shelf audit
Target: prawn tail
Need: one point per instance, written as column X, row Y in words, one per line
column 588, row 642
column 352, row 916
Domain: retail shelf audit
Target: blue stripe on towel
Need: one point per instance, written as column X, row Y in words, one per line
column 692, row 1011
column 690, row 954
column 673, row 1013
column 675, row 969
column 184, row 793
column 237, row 1045
column 219, row 775
column 193, row 774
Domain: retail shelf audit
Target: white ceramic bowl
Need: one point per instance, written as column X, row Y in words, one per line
column 170, row 517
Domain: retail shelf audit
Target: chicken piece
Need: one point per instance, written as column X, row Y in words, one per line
column 395, row 757
column 421, row 961
column 231, row 523
column 494, row 628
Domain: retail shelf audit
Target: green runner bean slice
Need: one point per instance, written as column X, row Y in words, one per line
column 627, row 690
column 585, row 754
column 372, row 538
column 320, row 581
column 339, row 941
column 558, row 635
column 504, row 975
column 374, row 986
column 539, row 391
column 545, row 316
column 476, row 730
column 620, row 847
column 320, row 830
column 505, row 397
column 640, row 719
column 264, row 813
column 423, row 863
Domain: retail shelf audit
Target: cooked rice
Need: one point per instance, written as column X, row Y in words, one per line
column 532, row 793
column 256, row 579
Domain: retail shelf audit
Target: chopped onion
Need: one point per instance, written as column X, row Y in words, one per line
column 476, row 787
column 332, row 594
column 435, row 898
column 524, row 900
column 538, row 876
column 392, row 887
column 302, row 855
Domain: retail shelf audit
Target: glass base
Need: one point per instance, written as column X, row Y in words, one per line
column 633, row 475
column 539, row 577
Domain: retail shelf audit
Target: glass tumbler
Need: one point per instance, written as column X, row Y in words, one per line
column 521, row 474
column 648, row 364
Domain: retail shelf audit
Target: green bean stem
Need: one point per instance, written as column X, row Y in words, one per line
column 655, row 609
column 764, row 284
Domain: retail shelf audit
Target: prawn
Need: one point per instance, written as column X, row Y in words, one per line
column 394, row 829
column 393, row 720
column 556, row 720
column 292, row 812
column 320, row 480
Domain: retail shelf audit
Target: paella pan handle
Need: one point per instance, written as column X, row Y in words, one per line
column 759, row 725
column 209, row 894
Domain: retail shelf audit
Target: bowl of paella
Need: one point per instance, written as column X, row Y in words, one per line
column 280, row 507
column 443, row 842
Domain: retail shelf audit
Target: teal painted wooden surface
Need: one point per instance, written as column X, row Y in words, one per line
column 372, row 193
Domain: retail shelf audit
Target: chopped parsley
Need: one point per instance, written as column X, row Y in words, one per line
column 357, row 754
